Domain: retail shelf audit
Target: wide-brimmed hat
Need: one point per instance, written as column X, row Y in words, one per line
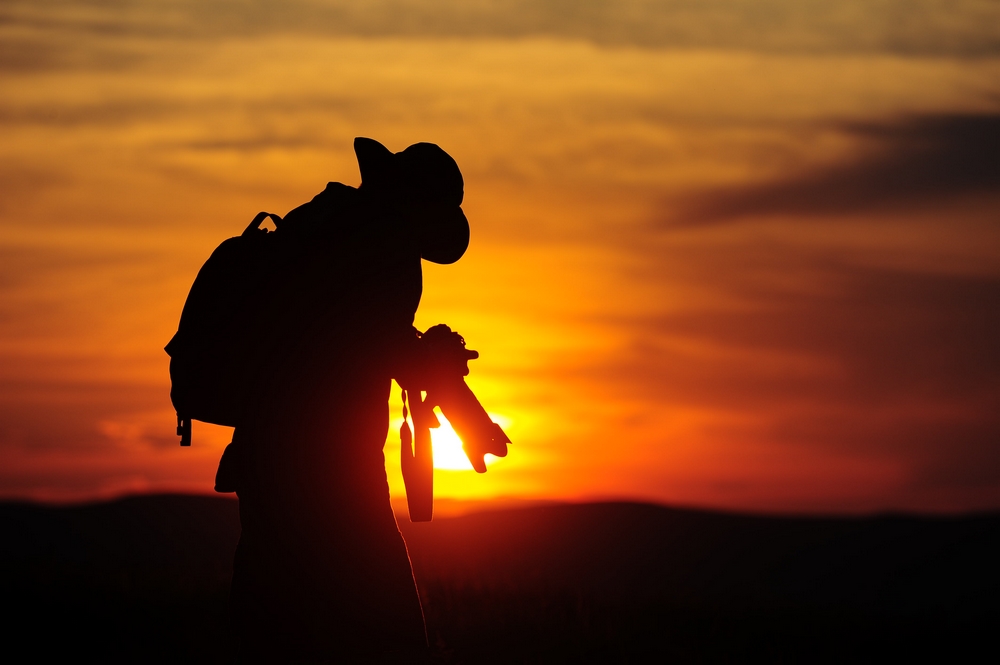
column 427, row 179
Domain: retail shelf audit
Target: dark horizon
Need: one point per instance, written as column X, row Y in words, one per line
column 449, row 508
column 594, row 583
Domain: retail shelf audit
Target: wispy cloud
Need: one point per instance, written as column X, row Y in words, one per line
column 908, row 164
column 924, row 27
column 866, row 337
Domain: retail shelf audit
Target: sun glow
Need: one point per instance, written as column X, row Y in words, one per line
column 448, row 453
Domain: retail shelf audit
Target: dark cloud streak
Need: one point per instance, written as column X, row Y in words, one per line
column 882, row 337
column 886, row 363
column 910, row 163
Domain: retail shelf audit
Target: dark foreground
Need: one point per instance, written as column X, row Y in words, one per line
column 145, row 579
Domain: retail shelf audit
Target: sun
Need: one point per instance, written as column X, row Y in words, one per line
column 448, row 453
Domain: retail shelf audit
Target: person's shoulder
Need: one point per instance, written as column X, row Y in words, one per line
column 336, row 192
column 332, row 203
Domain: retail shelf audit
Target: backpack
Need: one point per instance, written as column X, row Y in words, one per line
column 219, row 337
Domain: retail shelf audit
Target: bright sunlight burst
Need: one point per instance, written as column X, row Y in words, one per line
column 448, row 453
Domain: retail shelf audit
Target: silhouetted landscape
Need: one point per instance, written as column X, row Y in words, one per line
column 146, row 579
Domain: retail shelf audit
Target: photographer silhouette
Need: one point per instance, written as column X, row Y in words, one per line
column 307, row 351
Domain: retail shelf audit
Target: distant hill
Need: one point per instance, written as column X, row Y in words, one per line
column 890, row 563
column 148, row 577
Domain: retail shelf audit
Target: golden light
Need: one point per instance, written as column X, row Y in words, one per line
column 448, row 453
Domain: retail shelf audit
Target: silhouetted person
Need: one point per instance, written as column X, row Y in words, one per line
column 321, row 571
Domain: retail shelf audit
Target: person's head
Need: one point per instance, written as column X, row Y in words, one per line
column 426, row 183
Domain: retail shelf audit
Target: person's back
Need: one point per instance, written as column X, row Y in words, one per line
column 321, row 570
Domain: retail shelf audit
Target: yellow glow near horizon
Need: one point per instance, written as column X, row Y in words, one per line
column 448, row 453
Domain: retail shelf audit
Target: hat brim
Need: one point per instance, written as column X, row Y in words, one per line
column 444, row 235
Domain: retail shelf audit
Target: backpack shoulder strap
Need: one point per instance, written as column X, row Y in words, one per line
column 260, row 217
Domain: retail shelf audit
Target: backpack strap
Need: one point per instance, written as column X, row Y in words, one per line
column 260, row 217
column 184, row 429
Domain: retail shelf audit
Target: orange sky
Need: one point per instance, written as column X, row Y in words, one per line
column 719, row 258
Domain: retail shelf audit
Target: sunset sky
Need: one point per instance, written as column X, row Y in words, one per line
column 740, row 255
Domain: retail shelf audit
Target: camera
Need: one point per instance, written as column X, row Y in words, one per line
column 438, row 370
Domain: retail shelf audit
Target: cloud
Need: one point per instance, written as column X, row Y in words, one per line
column 871, row 338
column 22, row 182
column 963, row 27
column 72, row 416
column 910, row 163
column 872, row 364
